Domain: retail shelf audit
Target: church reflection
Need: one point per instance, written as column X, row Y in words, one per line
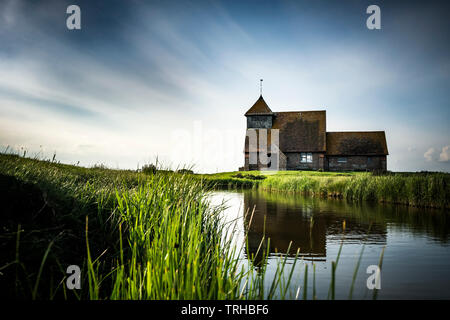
column 308, row 223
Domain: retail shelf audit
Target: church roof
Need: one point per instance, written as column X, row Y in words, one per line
column 301, row 131
column 360, row 143
column 305, row 131
column 260, row 107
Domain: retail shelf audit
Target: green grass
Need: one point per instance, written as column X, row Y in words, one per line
column 134, row 235
column 228, row 180
column 414, row 189
column 156, row 235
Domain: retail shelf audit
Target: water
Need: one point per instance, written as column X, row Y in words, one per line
column 416, row 263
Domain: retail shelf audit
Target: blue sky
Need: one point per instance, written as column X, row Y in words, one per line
column 173, row 79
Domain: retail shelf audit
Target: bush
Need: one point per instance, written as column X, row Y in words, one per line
column 249, row 176
column 99, row 166
column 148, row 169
column 185, row 171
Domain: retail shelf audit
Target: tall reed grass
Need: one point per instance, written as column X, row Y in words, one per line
column 153, row 236
column 135, row 236
column 423, row 190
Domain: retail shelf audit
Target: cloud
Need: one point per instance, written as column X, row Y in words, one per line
column 429, row 154
column 445, row 154
column 117, row 90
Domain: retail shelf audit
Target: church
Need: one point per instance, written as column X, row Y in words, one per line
column 299, row 140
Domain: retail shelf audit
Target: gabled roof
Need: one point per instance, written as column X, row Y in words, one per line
column 301, row 131
column 260, row 107
column 361, row 143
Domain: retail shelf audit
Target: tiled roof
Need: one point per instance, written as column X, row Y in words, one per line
column 301, row 131
column 305, row 131
column 356, row 143
column 260, row 107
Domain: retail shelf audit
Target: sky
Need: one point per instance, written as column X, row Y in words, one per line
column 171, row 80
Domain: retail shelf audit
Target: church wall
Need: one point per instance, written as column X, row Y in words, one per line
column 293, row 161
column 356, row 163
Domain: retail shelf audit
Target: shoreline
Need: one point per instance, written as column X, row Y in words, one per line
column 419, row 190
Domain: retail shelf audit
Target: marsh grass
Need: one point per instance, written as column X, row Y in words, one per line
column 422, row 189
column 134, row 235
column 144, row 235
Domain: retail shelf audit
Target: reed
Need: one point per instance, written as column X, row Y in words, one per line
column 153, row 235
column 421, row 189
column 134, row 235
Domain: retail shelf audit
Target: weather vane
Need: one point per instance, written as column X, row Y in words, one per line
column 260, row 86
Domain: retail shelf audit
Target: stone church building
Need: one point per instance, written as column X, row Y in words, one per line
column 299, row 141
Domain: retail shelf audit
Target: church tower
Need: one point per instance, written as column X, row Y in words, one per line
column 258, row 143
column 259, row 116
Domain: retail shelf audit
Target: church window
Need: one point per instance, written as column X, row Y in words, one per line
column 306, row 157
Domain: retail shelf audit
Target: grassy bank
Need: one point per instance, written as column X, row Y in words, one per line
column 414, row 189
column 142, row 235
column 134, row 236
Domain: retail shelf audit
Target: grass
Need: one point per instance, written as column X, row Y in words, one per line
column 414, row 189
column 230, row 180
column 155, row 235
column 134, row 236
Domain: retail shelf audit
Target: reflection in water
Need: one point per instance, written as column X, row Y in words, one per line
column 308, row 222
column 417, row 256
column 303, row 221
column 283, row 223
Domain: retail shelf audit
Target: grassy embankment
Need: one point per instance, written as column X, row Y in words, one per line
column 414, row 189
column 134, row 236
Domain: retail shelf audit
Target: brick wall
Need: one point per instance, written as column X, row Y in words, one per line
column 273, row 160
column 357, row 163
column 293, row 162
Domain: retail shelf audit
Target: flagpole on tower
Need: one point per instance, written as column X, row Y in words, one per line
column 260, row 86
